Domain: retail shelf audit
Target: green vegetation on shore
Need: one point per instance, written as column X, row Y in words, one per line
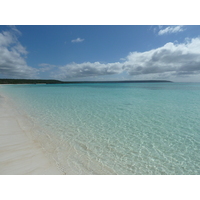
column 28, row 81
column 43, row 81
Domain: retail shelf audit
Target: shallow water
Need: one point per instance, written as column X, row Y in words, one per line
column 115, row 128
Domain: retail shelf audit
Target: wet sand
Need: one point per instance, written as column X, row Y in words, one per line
column 19, row 154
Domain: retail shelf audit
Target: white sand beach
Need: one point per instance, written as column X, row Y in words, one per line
column 19, row 154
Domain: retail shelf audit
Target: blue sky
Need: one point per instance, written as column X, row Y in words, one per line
column 110, row 52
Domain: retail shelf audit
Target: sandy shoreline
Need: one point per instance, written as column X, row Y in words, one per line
column 19, row 155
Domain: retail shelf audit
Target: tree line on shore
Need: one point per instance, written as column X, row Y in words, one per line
column 43, row 81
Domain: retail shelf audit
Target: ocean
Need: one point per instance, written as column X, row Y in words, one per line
column 115, row 128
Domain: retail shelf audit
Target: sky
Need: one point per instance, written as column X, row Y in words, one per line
column 100, row 52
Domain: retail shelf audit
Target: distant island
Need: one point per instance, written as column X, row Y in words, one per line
column 43, row 81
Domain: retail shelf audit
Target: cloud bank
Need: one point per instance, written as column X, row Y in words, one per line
column 176, row 58
column 88, row 69
column 12, row 56
column 169, row 60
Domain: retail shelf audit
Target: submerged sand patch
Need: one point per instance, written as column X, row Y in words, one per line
column 19, row 154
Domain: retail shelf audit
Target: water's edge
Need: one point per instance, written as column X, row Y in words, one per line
column 25, row 154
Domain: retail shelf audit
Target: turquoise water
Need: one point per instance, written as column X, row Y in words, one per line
column 115, row 128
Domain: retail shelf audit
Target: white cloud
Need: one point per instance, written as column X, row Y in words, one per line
column 174, row 59
column 15, row 30
column 12, row 56
column 88, row 69
column 77, row 40
column 170, row 29
column 168, row 61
